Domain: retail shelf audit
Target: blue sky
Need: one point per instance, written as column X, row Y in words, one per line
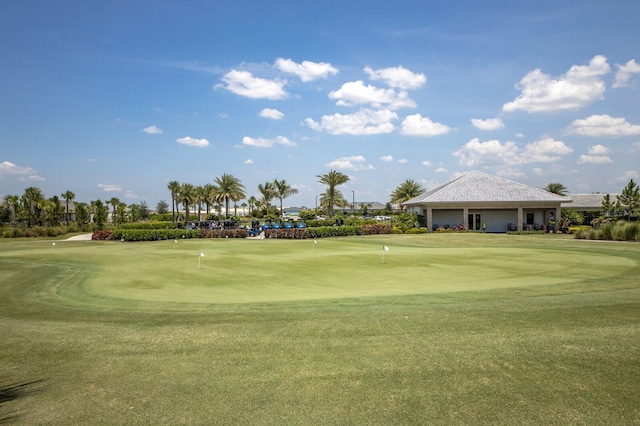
column 116, row 99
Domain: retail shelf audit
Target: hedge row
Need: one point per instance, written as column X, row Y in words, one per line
column 150, row 225
column 328, row 231
column 618, row 231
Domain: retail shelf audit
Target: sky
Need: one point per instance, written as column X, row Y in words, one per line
column 117, row 99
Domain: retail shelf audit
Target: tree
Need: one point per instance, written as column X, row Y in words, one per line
column 229, row 189
column 68, row 197
column 608, row 206
column 629, row 199
column 406, row 191
column 252, row 203
column 187, row 196
column 283, row 190
column 115, row 202
column 337, row 199
column 100, row 213
column 210, row 196
column 12, row 204
column 556, row 188
column 82, row 214
column 268, row 192
column 162, row 207
column 332, row 179
column 174, row 188
column 32, row 199
column 405, row 221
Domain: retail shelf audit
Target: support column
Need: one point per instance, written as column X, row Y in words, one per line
column 429, row 218
column 520, row 212
column 465, row 218
column 558, row 218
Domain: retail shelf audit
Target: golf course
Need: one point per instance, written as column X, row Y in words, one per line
column 439, row 328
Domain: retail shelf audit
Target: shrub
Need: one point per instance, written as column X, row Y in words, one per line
column 224, row 233
column 101, row 235
column 417, row 231
column 150, row 225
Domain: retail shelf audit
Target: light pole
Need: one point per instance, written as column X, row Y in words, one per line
column 353, row 203
column 316, row 206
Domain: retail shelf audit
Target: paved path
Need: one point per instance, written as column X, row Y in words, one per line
column 83, row 237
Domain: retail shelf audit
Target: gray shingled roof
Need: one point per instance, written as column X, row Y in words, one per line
column 588, row 202
column 477, row 186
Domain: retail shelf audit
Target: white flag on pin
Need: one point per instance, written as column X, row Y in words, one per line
column 201, row 254
column 385, row 248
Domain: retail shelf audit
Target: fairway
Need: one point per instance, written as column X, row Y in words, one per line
column 439, row 329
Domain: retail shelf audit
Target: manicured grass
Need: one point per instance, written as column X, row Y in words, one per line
column 445, row 329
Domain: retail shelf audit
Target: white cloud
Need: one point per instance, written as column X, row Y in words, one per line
column 594, row 159
column 510, row 173
column 189, row 141
column 579, row 86
column 441, row 170
column 266, row 142
column 603, row 126
column 402, row 161
column 31, row 178
column 307, row 71
column 248, row 161
column 544, row 151
column 354, row 162
column 537, row 171
column 8, row 168
column 519, row 135
column 152, row 130
column 129, row 194
column 243, row 83
column 475, row 152
column 416, row 125
column 628, row 175
column 488, row 124
column 273, row 114
column 387, row 158
column 398, row 77
column 599, row 150
column 426, row 163
column 363, row 122
column 356, row 93
column 110, row 188
column 624, row 73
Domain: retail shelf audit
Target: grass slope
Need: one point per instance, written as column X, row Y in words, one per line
column 449, row 329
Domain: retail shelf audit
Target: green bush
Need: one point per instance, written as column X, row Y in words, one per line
column 417, row 231
column 150, row 225
column 575, row 228
column 152, row 234
column 618, row 231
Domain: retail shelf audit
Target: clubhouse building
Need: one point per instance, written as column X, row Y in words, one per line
column 479, row 201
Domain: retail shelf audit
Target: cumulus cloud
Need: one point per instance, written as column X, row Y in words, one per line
column 152, row 130
column 307, row 70
column 386, row 158
column 189, row 141
column 248, row 161
column 426, row 163
column 109, row 188
column 603, row 126
column 594, row 159
column 398, row 77
column 357, row 93
column 579, row 86
column 488, row 124
column 416, row 125
column 599, row 150
column 476, row 152
column 8, row 168
column 243, row 83
column 363, row 122
column 402, row 161
column 628, row 175
column 266, row 142
column 624, row 73
column 273, row 114
column 355, row 162
column 130, row 194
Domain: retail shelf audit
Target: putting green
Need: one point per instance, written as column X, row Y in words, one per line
column 186, row 273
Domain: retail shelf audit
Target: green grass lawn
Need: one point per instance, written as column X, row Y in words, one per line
column 440, row 329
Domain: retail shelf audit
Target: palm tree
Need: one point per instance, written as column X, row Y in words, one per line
column 114, row 201
column 200, row 195
column 174, row 187
column 405, row 191
column 229, row 189
column 12, row 202
column 268, row 192
column 68, row 196
column 556, row 188
column 188, row 196
column 332, row 179
column 337, row 199
column 283, row 190
column 252, row 203
column 244, row 206
column 32, row 197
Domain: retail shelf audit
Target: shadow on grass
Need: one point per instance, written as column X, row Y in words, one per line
column 14, row 391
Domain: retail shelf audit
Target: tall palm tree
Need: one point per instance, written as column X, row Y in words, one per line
column 114, row 201
column 209, row 196
column 252, row 203
column 12, row 202
column 405, row 191
column 556, row 188
column 268, row 192
column 332, row 179
column 32, row 197
column 68, row 196
column 174, row 188
column 229, row 189
column 336, row 198
column 283, row 190
column 188, row 196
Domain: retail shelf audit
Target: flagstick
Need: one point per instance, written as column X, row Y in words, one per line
column 52, row 246
column 199, row 256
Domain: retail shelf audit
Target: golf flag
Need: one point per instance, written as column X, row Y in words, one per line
column 199, row 257
column 315, row 242
column 201, row 254
column 385, row 248
column 54, row 244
